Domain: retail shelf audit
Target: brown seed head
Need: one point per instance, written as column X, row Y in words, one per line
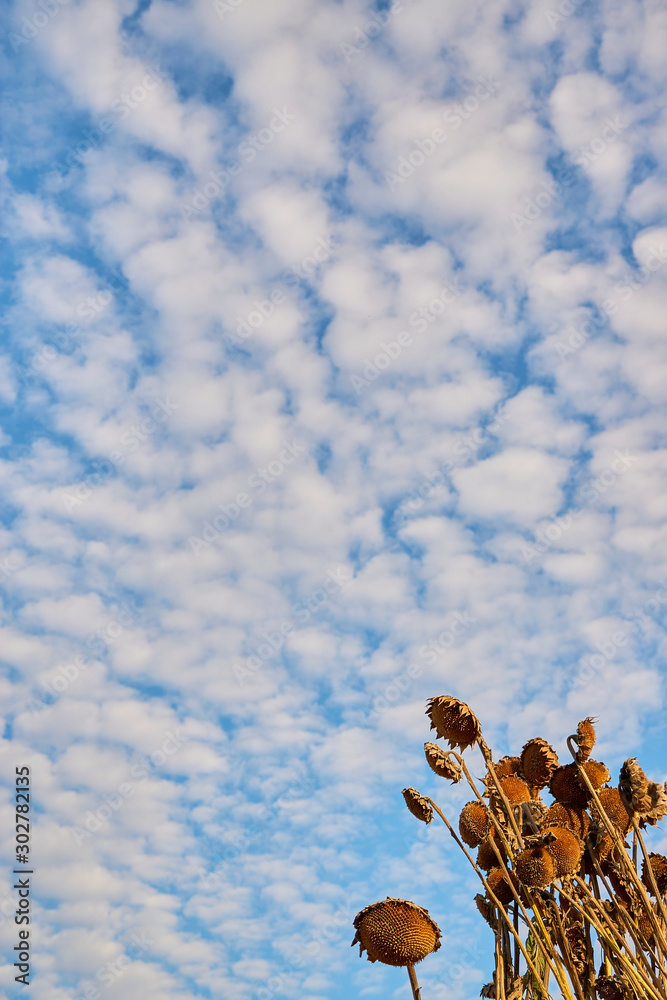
column 507, row 766
column 585, row 738
column 538, row 762
column 567, row 786
column 418, row 805
column 659, row 869
column 571, row 817
column 612, row 803
column 453, row 721
column 515, row 788
column 614, row 988
column 535, row 867
column 500, row 887
column 441, row 764
column 486, row 909
column 566, row 850
column 486, row 856
column 633, row 786
column 473, row 823
column 597, row 773
column 396, row 932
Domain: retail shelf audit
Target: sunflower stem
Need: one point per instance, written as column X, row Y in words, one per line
column 416, row 992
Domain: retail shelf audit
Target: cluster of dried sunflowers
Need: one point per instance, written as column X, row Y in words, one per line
column 570, row 890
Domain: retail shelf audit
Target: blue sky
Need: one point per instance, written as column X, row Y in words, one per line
column 331, row 332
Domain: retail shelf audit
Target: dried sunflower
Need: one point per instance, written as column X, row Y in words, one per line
column 500, row 886
column 418, row 805
column 565, row 848
column 538, row 762
column 396, row 932
column 567, row 785
column 473, row 823
column 486, row 856
column 633, row 786
column 614, row 988
column 659, row 868
column 614, row 807
column 572, row 817
column 441, row 764
column 453, row 721
column 507, row 766
column 585, row 738
column 535, row 867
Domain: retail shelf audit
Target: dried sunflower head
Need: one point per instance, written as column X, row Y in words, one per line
column 396, row 932
column 507, row 766
column 567, row 785
column 633, row 786
column 538, row 762
column 500, row 886
column 572, row 817
column 659, row 869
column 585, row 738
column 614, row 807
column 566, row 850
column 614, row 988
column 418, row 805
column 486, row 856
column 657, row 795
column 441, row 764
column 453, row 721
column 486, row 909
column 473, row 823
column 514, row 787
column 535, row 867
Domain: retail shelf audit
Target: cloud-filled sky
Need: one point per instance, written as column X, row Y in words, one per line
column 332, row 378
